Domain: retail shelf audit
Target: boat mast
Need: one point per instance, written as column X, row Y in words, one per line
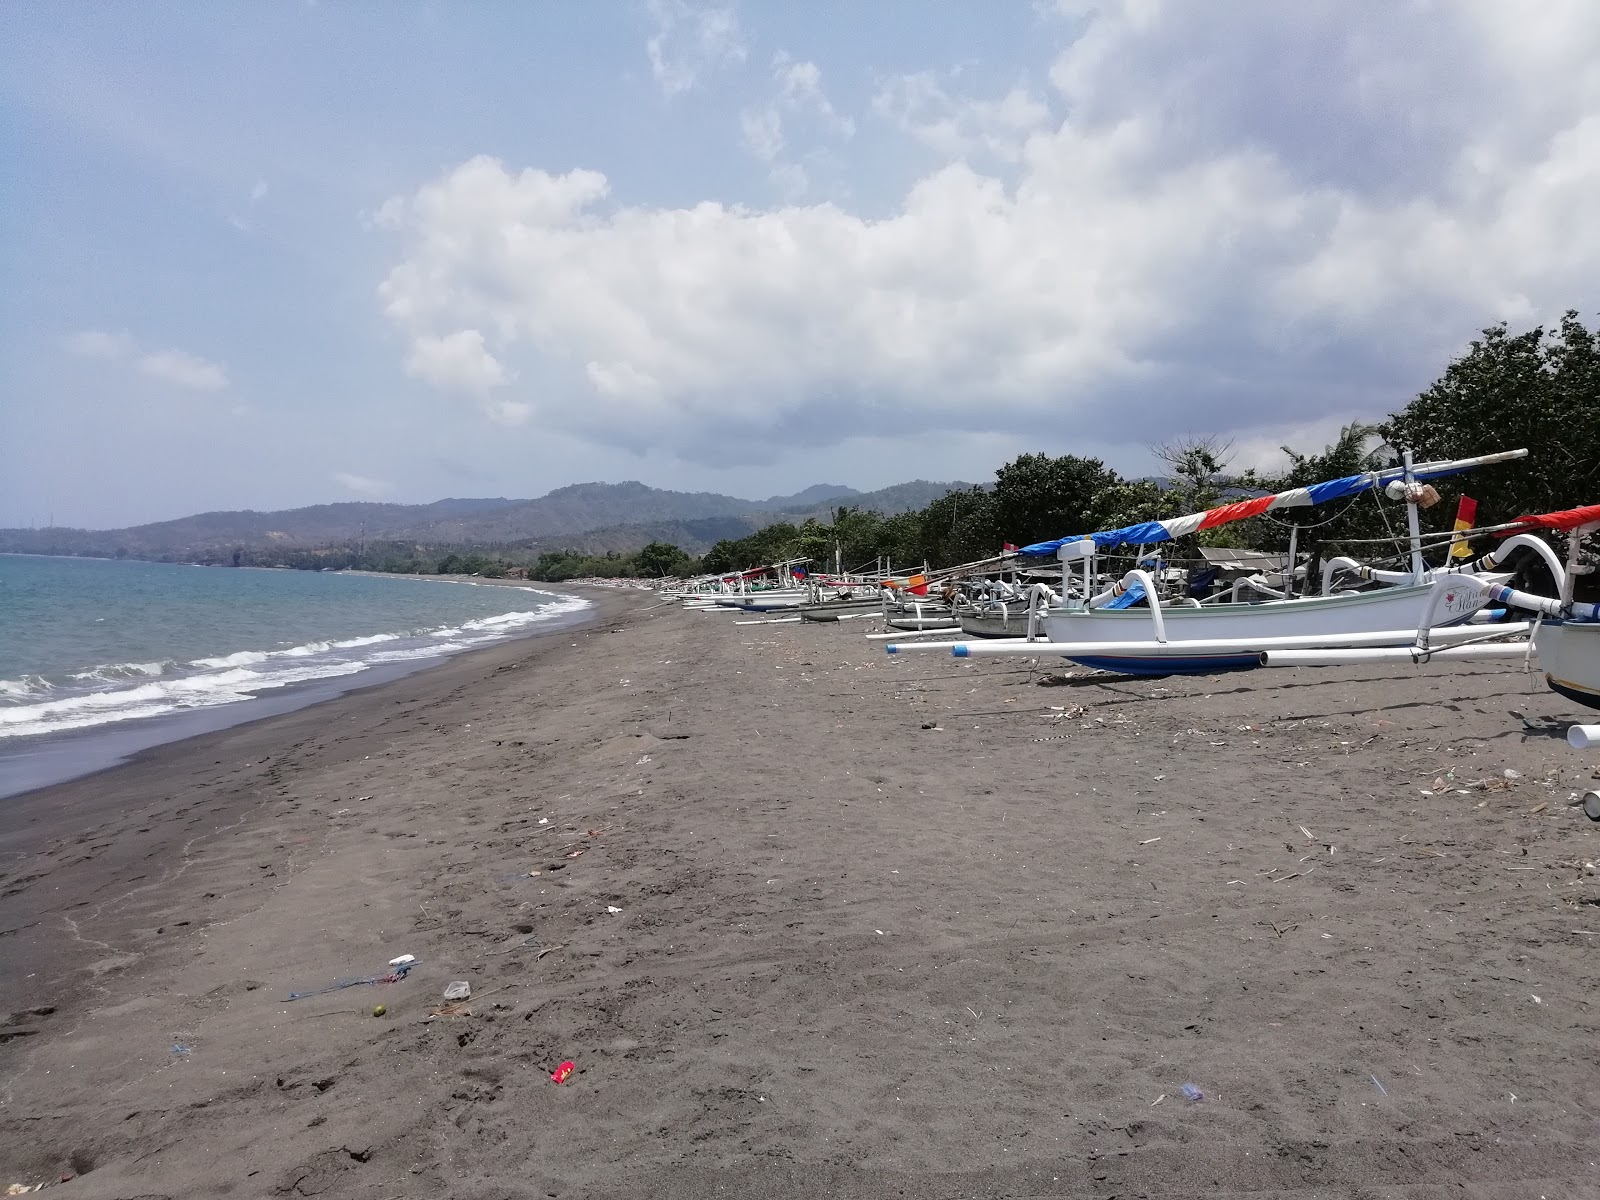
column 1288, row 578
column 1418, row 567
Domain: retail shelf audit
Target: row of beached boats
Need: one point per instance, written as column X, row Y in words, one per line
column 1235, row 612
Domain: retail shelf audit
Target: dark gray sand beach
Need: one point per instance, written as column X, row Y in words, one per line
column 815, row 922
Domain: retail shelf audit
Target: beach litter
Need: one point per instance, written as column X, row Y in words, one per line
column 399, row 968
column 564, row 1072
column 378, row 1010
column 1191, row 1093
column 1382, row 1091
column 180, row 1048
column 460, row 989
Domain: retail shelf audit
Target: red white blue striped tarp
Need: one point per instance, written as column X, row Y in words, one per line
column 1150, row 532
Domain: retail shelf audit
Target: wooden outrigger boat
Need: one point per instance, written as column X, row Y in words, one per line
column 992, row 609
column 1565, row 636
column 1192, row 638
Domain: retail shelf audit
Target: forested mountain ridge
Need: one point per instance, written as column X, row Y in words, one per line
column 605, row 514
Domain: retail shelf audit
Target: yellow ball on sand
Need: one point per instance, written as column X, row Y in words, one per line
column 378, row 1010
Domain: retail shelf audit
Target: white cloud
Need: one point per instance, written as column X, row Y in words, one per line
column 761, row 131
column 800, row 89
column 689, row 40
column 1262, row 448
column 457, row 362
column 958, row 126
column 797, row 91
column 361, row 485
column 245, row 223
column 184, row 370
column 461, row 362
column 93, row 343
column 169, row 366
column 1175, row 253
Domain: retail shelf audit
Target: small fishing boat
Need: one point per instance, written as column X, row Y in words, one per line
column 1105, row 632
column 1565, row 637
column 833, row 600
column 991, row 608
column 995, row 620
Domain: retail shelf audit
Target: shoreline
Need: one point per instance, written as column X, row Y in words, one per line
column 44, row 760
column 33, row 821
column 814, row 920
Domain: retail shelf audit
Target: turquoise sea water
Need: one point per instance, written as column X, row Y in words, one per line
column 91, row 642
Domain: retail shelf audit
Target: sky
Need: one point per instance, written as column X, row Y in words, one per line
column 260, row 255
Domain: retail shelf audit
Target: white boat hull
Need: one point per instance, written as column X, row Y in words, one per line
column 992, row 625
column 1397, row 609
column 1570, row 655
column 832, row 610
column 770, row 601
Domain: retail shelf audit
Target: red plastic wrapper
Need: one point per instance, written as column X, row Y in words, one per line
column 561, row 1073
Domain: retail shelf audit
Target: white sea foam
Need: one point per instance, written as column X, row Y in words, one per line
column 28, row 685
column 156, row 699
column 117, row 672
column 243, row 658
column 416, row 652
column 127, row 691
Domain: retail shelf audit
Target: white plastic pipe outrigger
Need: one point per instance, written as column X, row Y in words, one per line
column 897, row 648
column 1394, row 637
column 1354, row 656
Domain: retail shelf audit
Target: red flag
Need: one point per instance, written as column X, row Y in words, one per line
column 1007, row 547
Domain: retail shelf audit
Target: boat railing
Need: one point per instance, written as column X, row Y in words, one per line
column 1137, row 575
column 1152, row 598
column 1363, row 572
column 1527, row 540
column 1040, row 598
column 1399, row 578
column 1257, row 584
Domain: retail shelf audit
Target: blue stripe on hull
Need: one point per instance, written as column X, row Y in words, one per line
column 1206, row 664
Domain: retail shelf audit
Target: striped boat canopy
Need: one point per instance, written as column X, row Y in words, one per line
column 1569, row 518
column 1149, row 532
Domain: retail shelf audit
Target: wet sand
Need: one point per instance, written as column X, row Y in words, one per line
column 812, row 921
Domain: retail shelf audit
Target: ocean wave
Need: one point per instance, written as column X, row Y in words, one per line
column 416, row 652
column 117, row 672
column 34, row 705
column 28, row 685
column 243, row 658
column 158, row 699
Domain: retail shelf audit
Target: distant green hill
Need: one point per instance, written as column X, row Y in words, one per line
column 586, row 516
